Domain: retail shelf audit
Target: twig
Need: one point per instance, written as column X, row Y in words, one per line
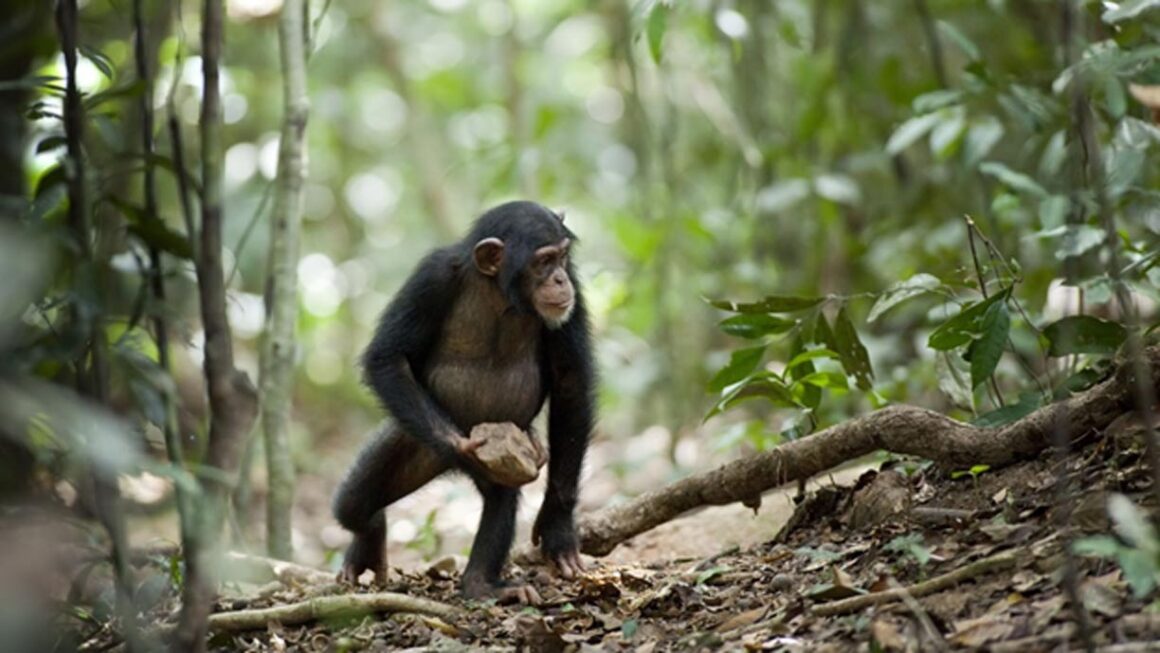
column 982, row 567
column 329, row 607
column 982, row 289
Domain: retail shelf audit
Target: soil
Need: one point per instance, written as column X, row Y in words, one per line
column 725, row 579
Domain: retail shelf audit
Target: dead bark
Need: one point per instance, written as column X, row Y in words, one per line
column 897, row 429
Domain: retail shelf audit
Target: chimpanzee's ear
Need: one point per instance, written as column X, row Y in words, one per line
column 488, row 256
column 560, row 214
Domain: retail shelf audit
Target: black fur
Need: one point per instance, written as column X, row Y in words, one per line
column 416, row 366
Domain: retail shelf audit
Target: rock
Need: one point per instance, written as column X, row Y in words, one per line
column 507, row 453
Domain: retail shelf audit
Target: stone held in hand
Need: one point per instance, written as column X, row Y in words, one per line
column 507, row 453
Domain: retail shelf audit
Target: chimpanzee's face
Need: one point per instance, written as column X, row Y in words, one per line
column 548, row 286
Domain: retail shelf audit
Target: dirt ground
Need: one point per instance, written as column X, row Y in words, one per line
column 889, row 556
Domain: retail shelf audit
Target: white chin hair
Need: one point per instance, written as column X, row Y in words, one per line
column 556, row 321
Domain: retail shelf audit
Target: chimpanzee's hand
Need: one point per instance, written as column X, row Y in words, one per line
column 555, row 533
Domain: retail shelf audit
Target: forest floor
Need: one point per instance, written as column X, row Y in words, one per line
column 980, row 555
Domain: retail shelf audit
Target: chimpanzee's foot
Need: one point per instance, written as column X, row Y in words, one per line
column 364, row 554
column 475, row 587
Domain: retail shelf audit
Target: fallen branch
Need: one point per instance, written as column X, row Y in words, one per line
column 898, row 429
column 937, row 584
column 260, row 569
column 328, row 607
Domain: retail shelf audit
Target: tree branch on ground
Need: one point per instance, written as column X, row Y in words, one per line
column 341, row 606
column 939, row 583
column 901, row 429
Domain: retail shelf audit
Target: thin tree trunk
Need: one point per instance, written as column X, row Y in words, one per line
column 232, row 398
column 279, row 345
column 93, row 375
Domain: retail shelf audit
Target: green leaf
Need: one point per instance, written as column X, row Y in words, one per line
column 1131, row 523
column 981, row 138
column 1139, row 570
column 1028, row 403
column 810, row 355
column 1115, row 98
column 658, row 22
column 965, row 44
column 782, row 195
column 964, row 327
column 765, row 386
column 1128, row 9
column 935, row 100
column 771, row 304
column 98, row 58
column 756, row 325
column 1103, row 546
column 986, row 351
column 916, row 285
column 741, row 364
column 1053, row 211
column 853, row 354
column 1014, row 180
column 946, row 135
column 1084, row 334
column 910, row 131
column 154, row 232
column 824, row 380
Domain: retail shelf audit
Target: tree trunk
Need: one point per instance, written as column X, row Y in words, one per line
column 279, row 344
column 232, row 398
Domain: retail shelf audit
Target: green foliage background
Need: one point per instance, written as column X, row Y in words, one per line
column 703, row 149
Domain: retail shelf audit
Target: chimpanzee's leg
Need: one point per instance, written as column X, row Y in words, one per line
column 490, row 548
column 391, row 466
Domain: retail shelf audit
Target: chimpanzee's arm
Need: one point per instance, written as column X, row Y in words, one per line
column 406, row 337
column 571, row 386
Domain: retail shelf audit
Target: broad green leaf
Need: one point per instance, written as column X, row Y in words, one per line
column 854, row 358
column 1131, row 523
column 756, row 325
column 935, row 100
column 1124, row 167
column 1114, row 97
column 965, row 44
column 964, row 327
column 801, row 364
column 980, row 139
column 765, row 386
column 98, row 59
column 838, row 188
column 910, row 131
column 1053, row 211
column 154, row 232
column 1014, row 180
column 944, row 138
column 1076, row 240
column 1140, row 570
column 658, row 21
column 986, row 351
column 1128, row 9
column 1103, row 546
column 1028, row 403
column 810, row 355
column 771, row 304
column 893, row 296
column 782, row 195
column 741, row 364
column 824, row 380
column 1083, row 334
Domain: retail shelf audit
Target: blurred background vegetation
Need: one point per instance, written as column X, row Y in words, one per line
column 711, row 149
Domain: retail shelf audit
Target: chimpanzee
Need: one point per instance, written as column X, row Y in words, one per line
column 483, row 331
